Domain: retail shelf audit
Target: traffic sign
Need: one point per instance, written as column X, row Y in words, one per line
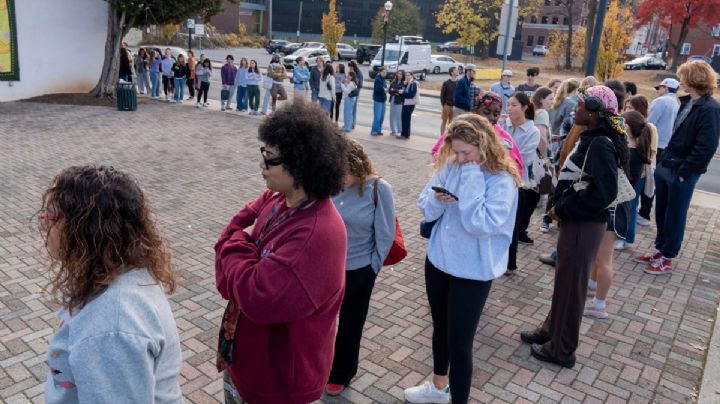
column 191, row 23
column 199, row 29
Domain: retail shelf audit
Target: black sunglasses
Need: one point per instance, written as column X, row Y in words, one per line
column 276, row 161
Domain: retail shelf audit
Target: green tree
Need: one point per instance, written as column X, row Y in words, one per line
column 333, row 30
column 404, row 20
column 125, row 14
column 616, row 37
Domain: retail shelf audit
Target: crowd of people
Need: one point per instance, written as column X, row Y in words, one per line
column 298, row 264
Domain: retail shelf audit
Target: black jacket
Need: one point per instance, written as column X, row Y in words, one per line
column 695, row 141
column 447, row 93
column 315, row 74
column 180, row 71
column 590, row 204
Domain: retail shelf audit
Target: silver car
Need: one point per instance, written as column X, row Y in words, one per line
column 346, row 52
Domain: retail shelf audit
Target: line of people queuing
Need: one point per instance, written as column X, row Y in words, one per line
column 302, row 258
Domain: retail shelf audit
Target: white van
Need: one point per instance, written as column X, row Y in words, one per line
column 415, row 58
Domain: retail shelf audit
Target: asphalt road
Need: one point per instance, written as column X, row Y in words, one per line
column 426, row 118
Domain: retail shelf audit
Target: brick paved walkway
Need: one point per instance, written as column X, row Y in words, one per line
column 199, row 167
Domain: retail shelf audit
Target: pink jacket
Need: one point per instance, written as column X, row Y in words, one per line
column 512, row 147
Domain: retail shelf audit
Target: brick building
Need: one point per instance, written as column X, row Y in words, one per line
column 702, row 40
column 251, row 13
column 536, row 29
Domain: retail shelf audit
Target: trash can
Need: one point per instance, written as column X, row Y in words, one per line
column 126, row 97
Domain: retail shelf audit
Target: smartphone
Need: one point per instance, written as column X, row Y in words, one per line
column 444, row 191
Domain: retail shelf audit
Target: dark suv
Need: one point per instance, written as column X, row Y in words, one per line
column 366, row 52
column 275, row 45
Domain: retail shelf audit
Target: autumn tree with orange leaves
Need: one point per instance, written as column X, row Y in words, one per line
column 687, row 14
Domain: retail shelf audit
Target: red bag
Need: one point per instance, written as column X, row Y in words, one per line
column 398, row 252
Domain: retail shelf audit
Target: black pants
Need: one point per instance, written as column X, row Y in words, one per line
column 455, row 305
column 191, row 87
column 407, row 111
column 646, row 202
column 338, row 98
column 527, row 201
column 203, row 91
column 359, row 284
column 167, row 83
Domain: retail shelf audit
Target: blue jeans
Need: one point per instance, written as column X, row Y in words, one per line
column 155, row 83
column 354, row 111
column 672, row 201
column 314, row 92
column 242, row 101
column 378, row 116
column 348, row 118
column 179, row 92
column 326, row 104
column 632, row 219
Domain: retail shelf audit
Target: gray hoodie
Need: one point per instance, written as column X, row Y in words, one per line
column 122, row 347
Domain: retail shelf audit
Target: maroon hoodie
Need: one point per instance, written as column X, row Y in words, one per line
column 289, row 290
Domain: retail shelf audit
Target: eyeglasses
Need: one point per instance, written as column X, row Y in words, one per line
column 275, row 161
column 46, row 218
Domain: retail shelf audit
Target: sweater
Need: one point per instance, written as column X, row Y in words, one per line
column 339, row 77
column 121, row 347
column 663, row 111
column 167, row 64
column 379, row 94
column 562, row 112
column 180, row 70
column 241, row 77
column 254, row 79
column 315, row 74
column 227, row 74
column 348, row 87
column 155, row 64
column 324, row 92
column 472, row 235
column 370, row 229
column 301, row 75
column 288, row 290
column 447, row 93
column 463, row 98
column 411, row 96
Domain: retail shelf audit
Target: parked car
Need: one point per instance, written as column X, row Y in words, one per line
column 346, row 51
column 451, row 47
column 366, row 52
column 540, row 50
column 442, row 64
column 312, row 45
column 309, row 55
column 160, row 50
column 275, row 45
column 700, row 57
column 645, row 62
column 290, row 48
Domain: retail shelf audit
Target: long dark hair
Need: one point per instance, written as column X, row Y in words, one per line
column 341, row 68
column 253, row 69
column 524, row 100
column 400, row 73
column 353, row 77
column 328, row 71
column 539, row 95
column 640, row 132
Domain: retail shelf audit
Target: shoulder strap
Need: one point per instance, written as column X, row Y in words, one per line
column 375, row 191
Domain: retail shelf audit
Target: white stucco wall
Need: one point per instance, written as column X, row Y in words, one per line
column 61, row 47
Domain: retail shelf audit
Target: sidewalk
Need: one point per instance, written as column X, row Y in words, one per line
column 200, row 166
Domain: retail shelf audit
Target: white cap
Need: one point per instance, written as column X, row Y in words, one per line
column 470, row 67
column 669, row 83
column 507, row 73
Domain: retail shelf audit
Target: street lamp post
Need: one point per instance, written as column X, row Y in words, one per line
column 386, row 15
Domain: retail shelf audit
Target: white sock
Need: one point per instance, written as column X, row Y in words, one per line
column 599, row 303
column 592, row 284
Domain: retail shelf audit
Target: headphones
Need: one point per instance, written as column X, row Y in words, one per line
column 595, row 104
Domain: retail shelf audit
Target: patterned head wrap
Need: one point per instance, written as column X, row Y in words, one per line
column 608, row 105
column 487, row 98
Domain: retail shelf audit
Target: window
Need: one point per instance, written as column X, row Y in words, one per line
column 685, row 49
column 558, row 2
column 555, row 20
column 547, row 2
column 530, row 40
column 533, row 20
column 541, row 40
column 716, row 50
column 565, row 21
column 544, row 20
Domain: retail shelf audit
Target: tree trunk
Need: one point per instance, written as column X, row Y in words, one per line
column 568, row 48
column 590, row 28
column 680, row 42
column 117, row 28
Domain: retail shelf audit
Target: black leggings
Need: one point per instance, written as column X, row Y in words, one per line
column 203, row 91
column 338, row 98
column 406, row 116
column 168, row 85
column 353, row 312
column 527, row 201
column 191, row 87
column 455, row 305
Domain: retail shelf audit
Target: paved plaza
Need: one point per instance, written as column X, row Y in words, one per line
column 198, row 167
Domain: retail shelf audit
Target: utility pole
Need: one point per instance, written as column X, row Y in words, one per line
column 270, row 33
column 507, row 34
column 597, row 36
column 299, row 20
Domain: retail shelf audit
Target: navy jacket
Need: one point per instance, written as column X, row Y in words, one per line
column 379, row 89
column 694, row 142
column 463, row 98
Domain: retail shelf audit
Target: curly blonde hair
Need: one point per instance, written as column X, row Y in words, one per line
column 476, row 130
column 359, row 164
column 105, row 229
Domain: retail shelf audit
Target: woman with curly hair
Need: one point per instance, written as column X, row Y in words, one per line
column 587, row 186
column 367, row 208
column 284, row 278
column 472, row 197
column 116, row 338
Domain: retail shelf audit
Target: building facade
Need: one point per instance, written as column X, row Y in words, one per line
column 702, row 40
column 536, row 29
column 253, row 14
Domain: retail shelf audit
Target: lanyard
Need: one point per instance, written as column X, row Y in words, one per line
column 274, row 220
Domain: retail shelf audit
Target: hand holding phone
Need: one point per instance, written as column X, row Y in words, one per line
column 444, row 191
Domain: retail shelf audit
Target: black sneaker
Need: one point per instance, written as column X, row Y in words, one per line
column 524, row 239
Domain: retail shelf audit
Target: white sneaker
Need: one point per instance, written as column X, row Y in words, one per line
column 544, row 227
column 207, row 104
column 642, row 221
column 620, row 245
column 197, row 105
column 592, row 311
column 427, row 393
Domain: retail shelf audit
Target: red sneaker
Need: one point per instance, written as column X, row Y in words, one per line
column 648, row 258
column 662, row 266
column 334, row 389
